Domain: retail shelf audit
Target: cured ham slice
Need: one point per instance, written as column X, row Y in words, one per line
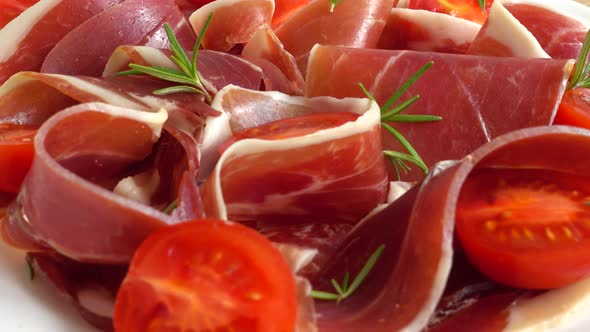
column 335, row 175
column 415, row 266
column 133, row 22
column 503, row 35
column 216, row 69
column 353, row 23
column 421, row 30
column 77, row 157
column 11, row 9
column 286, row 8
column 55, row 92
column 470, row 10
column 473, row 90
column 265, row 45
column 561, row 36
column 27, row 40
column 223, row 33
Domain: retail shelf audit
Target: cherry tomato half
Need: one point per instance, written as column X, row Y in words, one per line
column 10, row 9
column 526, row 228
column 207, row 275
column 574, row 109
column 467, row 9
column 16, row 156
column 293, row 127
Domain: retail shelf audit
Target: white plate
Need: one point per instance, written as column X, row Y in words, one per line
column 33, row 306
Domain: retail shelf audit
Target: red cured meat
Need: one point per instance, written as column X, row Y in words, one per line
column 133, row 22
column 28, row 39
column 421, row 30
column 353, row 23
column 11, row 9
column 285, row 8
column 265, row 45
column 560, row 36
column 335, row 175
column 417, row 233
column 78, row 160
column 479, row 97
column 223, row 33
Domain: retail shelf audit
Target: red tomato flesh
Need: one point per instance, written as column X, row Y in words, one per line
column 467, row 9
column 574, row 109
column 16, row 156
column 293, row 127
column 526, row 228
column 207, row 275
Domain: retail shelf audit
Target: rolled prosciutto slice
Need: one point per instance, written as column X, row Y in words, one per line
column 334, row 175
column 402, row 290
column 132, row 22
column 27, row 39
column 66, row 202
column 224, row 31
column 422, row 30
column 479, row 97
column 353, row 23
column 560, row 34
column 503, row 35
column 56, row 92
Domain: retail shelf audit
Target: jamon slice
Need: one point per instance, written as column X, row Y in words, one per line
column 78, row 160
column 265, row 45
column 403, row 288
column 27, row 39
column 216, row 69
column 56, row 92
column 335, row 175
column 503, row 35
column 133, row 22
column 353, row 23
column 421, row 30
column 479, row 98
column 560, row 35
column 234, row 21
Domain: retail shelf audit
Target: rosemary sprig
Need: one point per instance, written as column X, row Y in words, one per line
column 30, row 268
column 390, row 112
column 346, row 289
column 580, row 77
column 333, row 4
column 171, row 207
column 188, row 75
column 482, row 5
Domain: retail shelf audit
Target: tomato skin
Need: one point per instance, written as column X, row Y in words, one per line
column 293, row 127
column 467, row 9
column 526, row 229
column 16, row 156
column 207, row 275
column 574, row 109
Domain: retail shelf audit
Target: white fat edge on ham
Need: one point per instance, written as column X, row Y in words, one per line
column 198, row 18
column 140, row 187
column 14, row 82
column 120, row 59
column 565, row 8
column 154, row 120
column 16, row 30
column 368, row 119
column 558, row 310
column 297, row 258
column 504, row 27
column 440, row 26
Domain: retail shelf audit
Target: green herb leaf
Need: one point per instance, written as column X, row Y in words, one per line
column 413, row 118
column 171, row 207
column 580, row 77
column 30, row 268
column 482, row 5
column 407, row 84
column 344, row 290
column 188, row 75
column 333, row 4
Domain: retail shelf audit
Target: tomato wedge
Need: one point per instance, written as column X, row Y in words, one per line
column 467, row 9
column 207, row 275
column 16, row 156
column 574, row 109
column 293, row 127
column 10, row 9
column 526, row 228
